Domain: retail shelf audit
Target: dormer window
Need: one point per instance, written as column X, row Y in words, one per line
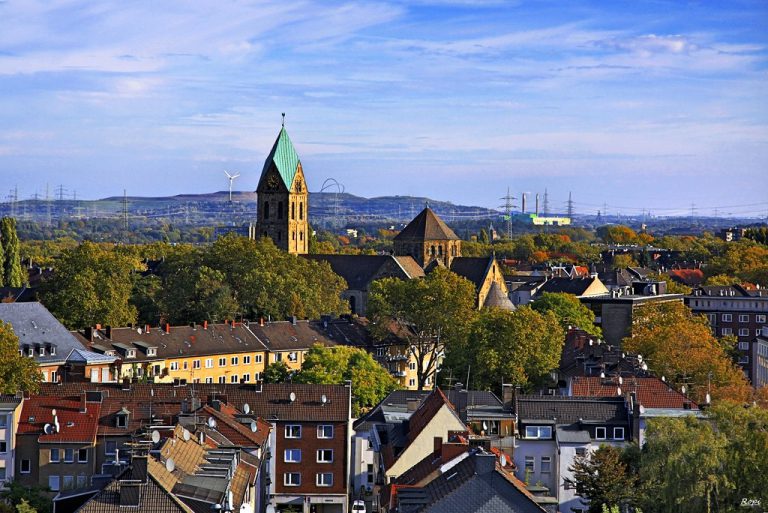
column 131, row 353
column 41, row 351
column 538, row 432
column 122, row 418
column 52, row 350
column 151, row 351
column 30, row 351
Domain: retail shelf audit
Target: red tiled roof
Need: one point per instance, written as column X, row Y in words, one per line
column 651, row 392
column 236, row 432
column 690, row 277
column 74, row 424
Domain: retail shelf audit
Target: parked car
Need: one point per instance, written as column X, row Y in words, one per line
column 358, row 507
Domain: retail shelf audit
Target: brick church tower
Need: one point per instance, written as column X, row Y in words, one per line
column 283, row 199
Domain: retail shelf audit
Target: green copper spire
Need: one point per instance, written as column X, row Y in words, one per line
column 284, row 156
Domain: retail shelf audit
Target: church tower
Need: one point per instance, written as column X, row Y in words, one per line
column 428, row 239
column 283, row 199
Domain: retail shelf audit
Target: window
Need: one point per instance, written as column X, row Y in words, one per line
column 412, row 365
column 726, row 317
column 618, row 433
column 246, row 360
column 727, row 331
column 53, row 350
column 55, row 456
column 411, row 382
column 759, row 318
column 122, row 421
column 151, row 351
column 600, row 433
column 209, row 363
column 712, row 318
column 381, row 351
column 541, row 432
column 292, row 456
column 185, row 365
column 369, row 471
column 234, row 360
column 195, row 364
column 26, row 466
column 530, row 464
column 293, row 431
column 233, row 378
column 175, row 365
column 279, row 209
column 581, row 451
column 130, row 353
column 291, row 479
column 258, row 358
column 82, row 456
column 743, row 332
column 31, row 352
column 82, row 481
column 110, row 447
column 325, row 431
column 546, row 464
column 266, row 210
column 278, row 357
column 246, row 378
column 41, row 351
column 68, row 483
column 324, row 479
column 3, row 446
column 257, row 376
column 69, row 455
column 222, row 379
column 325, row 455
column 743, row 318
column 53, row 483
column 292, row 357
column 222, row 362
column 207, row 380
column 54, row 376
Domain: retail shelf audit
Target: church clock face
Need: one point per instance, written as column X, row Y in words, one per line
column 272, row 182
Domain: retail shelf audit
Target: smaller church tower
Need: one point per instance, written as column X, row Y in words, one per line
column 428, row 239
column 283, row 199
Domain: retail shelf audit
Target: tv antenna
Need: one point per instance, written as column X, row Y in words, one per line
column 231, row 179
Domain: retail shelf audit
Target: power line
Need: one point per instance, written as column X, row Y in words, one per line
column 508, row 206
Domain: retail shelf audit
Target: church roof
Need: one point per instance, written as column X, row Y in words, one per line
column 284, row 156
column 496, row 298
column 426, row 226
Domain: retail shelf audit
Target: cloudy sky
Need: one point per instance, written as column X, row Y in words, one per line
column 637, row 104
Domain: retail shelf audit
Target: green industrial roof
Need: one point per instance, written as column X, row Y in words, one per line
column 284, row 156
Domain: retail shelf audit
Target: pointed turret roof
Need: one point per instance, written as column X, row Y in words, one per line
column 426, row 226
column 284, row 156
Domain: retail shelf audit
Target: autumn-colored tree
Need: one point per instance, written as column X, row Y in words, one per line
column 18, row 373
column 569, row 311
column 92, row 285
column 617, row 234
column 673, row 287
column 520, row 347
column 432, row 314
column 334, row 365
column 623, row 261
column 680, row 346
column 721, row 279
column 745, row 259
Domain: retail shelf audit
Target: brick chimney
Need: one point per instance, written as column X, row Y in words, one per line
column 167, row 328
column 205, row 325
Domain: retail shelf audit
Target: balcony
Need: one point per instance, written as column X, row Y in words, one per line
column 399, row 374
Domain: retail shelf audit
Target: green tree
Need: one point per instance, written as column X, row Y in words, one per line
column 623, row 261
column 18, row 373
column 277, row 372
column 13, row 274
column 92, row 285
column 334, row 365
column 25, row 507
column 36, row 497
column 431, row 314
column 604, row 479
column 483, row 237
column 673, row 287
column 722, row 279
column 519, row 347
column 568, row 310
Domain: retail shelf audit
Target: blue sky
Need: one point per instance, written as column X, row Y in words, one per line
column 640, row 104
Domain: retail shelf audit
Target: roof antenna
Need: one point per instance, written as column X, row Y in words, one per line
column 283, row 119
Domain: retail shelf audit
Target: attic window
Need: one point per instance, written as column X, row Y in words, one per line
column 130, row 353
column 41, row 351
column 122, row 418
column 30, row 351
column 151, row 351
column 52, row 350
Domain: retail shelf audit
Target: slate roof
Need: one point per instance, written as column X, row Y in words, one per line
column 411, row 266
column 153, row 500
column 426, row 226
column 74, row 424
column 37, row 327
column 567, row 410
column 468, row 484
column 474, row 269
column 237, row 433
column 285, row 158
column 651, row 392
column 497, row 299
column 360, row 270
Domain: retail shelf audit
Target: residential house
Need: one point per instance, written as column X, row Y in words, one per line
column 10, row 413
column 553, row 430
column 734, row 310
column 59, row 354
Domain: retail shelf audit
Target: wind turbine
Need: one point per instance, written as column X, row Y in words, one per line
column 231, row 179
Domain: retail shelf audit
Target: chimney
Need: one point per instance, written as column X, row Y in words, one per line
column 109, row 331
column 523, row 203
column 537, row 203
column 146, row 328
column 167, row 328
column 205, row 325
column 293, row 320
column 412, row 404
column 438, row 445
column 261, row 321
column 89, row 333
column 98, row 326
column 83, row 407
column 485, row 463
column 508, row 396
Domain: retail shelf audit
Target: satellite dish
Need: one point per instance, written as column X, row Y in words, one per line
column 708, row 398
column 138, row 330
column 503, row 460
column 254, row 427
column 485, row 426
column 639, row 358
column 186, row 434
column 642, row 409
column 683, row 389
column 645, row 366
column 48, row 429
column 246, row 408
column 664, row 379
column 53, row 412
column 602, row 375
column 170, row 466
column 211, row 422
column 590, row 342
column 155, row 436
column 324, row 399
column 621, row 380
column 618, row 391
column 292, row 396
